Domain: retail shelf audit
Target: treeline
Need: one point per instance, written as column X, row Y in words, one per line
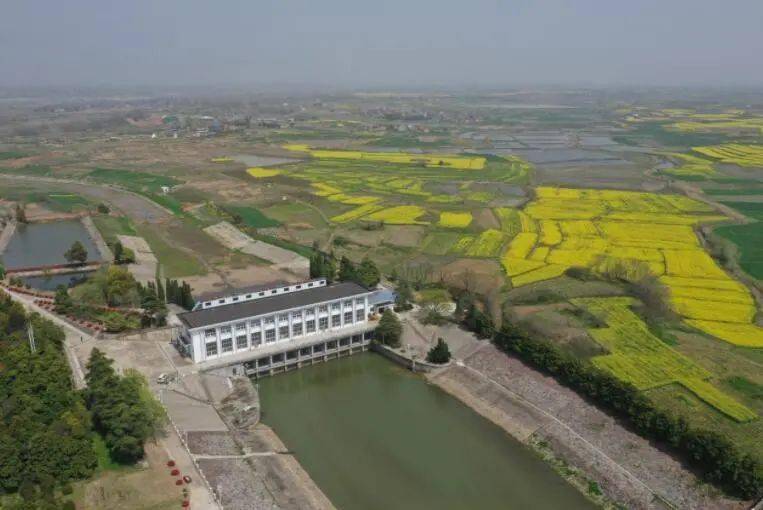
column 45, row 428
column 324, row 265
column 124, row 412
column 714, row 458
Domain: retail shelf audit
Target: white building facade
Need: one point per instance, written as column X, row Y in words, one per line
column 272, row 321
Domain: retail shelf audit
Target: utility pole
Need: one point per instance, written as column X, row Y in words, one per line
column 30, row 336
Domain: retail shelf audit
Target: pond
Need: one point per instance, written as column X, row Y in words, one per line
column 374, row 436
column 43, row 244
column 51, row 282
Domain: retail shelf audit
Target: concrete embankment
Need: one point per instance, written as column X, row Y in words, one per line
column 97, row 238
column 243, row 461
column 537, row 410
column 6, row 235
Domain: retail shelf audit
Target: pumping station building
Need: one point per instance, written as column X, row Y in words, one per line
column 268, row 329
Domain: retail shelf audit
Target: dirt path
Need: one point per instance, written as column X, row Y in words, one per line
column 6, row 234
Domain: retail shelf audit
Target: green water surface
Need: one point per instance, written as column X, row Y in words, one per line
column 374, row 436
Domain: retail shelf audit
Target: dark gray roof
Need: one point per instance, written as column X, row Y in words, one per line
column 265, row 305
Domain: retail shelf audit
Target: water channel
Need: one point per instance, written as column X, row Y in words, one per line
column 374, row 436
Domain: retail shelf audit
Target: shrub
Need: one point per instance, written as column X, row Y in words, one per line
column 440, row 353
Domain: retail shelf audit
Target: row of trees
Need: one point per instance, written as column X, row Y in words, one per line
column 324, row 265
column 712, row 456
column 45, row 428
column 124, row 412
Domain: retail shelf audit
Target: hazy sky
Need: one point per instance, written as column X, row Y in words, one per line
column 380, row 43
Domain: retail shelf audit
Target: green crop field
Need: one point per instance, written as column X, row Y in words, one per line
column 748, row 238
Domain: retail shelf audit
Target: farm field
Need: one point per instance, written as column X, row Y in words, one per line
column 637, row 356
column 636, row 234
column 431, row 160
column 734, row 154
column 748, row 238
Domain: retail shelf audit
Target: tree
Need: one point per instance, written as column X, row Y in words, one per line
column 368, row 274
column 347, row 270
column 118, row 252
column 63, row 301
column 76, row 253
column 160, row 294
column 479, row 322
column 2, row 271
column 389, row 329
column 403, row 297
column 120, row 287
column 20, row 213
column 440, row 353
column 103, row 208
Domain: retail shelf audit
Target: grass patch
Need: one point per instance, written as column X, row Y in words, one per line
column 748, row 238
column 4, row 155
column 252, row 217
column 135, row 181
column 746, row 387
column 112, row 226
column 176, row 263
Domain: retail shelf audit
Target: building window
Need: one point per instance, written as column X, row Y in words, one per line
column 323, row 323
column 270, row 336
column 225, row 330
column 241, row 342
column 336, row 321
column 227, row 345
column 348, row 317
column 211, row 349
column 310, row 284
column 296, row 316
column 360, row 314
column 255, row 323
column 309, row 313
column 220, row 301
column 323, row 309
column 248, row 296
column 284, row 317
column 274, row 291
column 262, row 293
column 235, row 298
column 210, row 333
column 299, row 287
column 360, row 301
column 296, row 329
column 348, row 303
column 270, row 320
column 257, row 338
column 240, row 327
column 335, row 306
column 310, row 326
column 283, row 332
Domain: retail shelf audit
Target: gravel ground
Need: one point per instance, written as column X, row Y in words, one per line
column 211, row 443
column 232, row 480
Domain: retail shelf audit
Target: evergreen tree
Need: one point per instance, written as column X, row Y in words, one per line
column 403, row 297
column 118, row 250
column 160, row 294
column 440, row 353
column 368, row 274
column 389, row 329
column 76, row 253
column 2, row 271
column 347, row 270
column 62, row 301
column 20, row 214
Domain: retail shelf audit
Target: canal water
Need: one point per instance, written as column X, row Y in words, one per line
column 51, row 282
column 42, row 244
column 374, row 436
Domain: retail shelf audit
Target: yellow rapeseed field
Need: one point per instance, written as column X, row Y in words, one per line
column 734, row 153
column 431, row 160
column 487, row 244
column 637, row 356
column 259, row 172
column 400, row 215
column 632, row 234
column 356, row 213
column 455, row 219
